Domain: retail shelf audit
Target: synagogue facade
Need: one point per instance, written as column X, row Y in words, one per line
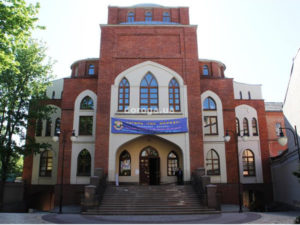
column 147, row 107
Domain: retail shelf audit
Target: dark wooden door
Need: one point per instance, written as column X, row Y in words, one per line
column 144, row 170
column 154, row 170
column 149, row 166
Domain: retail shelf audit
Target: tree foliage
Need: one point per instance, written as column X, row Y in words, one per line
column 24, row 77
column 17, row 20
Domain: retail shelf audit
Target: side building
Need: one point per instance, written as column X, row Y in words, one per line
column 147, row 107
column 286, row 186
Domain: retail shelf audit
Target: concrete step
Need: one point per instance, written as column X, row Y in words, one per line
column 150, row 200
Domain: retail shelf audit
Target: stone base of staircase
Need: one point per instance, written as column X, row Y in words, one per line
column 150, row 200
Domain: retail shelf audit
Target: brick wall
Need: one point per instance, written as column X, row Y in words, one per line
column 114, row 60
column 274, row 117
column 119, row 15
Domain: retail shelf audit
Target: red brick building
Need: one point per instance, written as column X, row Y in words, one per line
column 148, row 72
column 275, row 120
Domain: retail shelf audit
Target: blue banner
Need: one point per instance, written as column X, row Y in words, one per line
column 125, row 126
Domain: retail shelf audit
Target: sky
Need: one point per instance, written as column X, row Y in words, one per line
column 255, row 39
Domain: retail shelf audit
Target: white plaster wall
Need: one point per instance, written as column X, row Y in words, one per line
column 83, row 142
column 56, row 86
column 255, row 90
column 76, row 149
column 253, row 143
column 215, row 142
column 36, row 179
column 134, row 75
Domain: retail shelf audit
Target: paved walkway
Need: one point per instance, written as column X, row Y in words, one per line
column 229, row 217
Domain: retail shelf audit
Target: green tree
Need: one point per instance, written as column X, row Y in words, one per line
column 24, row 77
column 17, row 20
column 21, row 94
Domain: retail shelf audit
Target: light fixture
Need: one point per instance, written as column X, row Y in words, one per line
column 227, row 137
column 73, row 136
column 282, row 140
column 55, row 138
column 245, row 137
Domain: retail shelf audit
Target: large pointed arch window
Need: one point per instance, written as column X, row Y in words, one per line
column 254, row 127
column 149, row 93
column 248, row 163
column 212, row 163
column 174, row 96
column 124, row 92
column 84, row 163
column 209, row 104
column 125, row 164
column 245, row 126
column 46, row 163
column 173, row 163
column 87, row 103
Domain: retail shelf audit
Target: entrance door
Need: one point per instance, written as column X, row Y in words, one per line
column 149, row 166
column 154, row 170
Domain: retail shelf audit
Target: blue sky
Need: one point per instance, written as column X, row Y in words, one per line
column 256, row 39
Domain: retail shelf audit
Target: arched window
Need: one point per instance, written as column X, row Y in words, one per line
column 174, row 96
column 237, row 126
column 241, row 95
column 205, row 70
column 125, row 164
column 148, row 16
column 124, row 91
column 91, row 70
column 149, row 93
column 166, row 17
column 46, row 163
column 209, row 104
column 149, row 151
column 87, row 103
column 84, row 163
column 48, row 127
column 254, row 127
column 57, row 127
column 245, row 126
column 212, row 163
column 173, row 163
column 249, row 95
column 39, row 128
column 53, row 94
column 130, row 17
column 248, row 163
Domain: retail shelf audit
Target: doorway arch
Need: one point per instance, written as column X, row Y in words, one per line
column 149, row 166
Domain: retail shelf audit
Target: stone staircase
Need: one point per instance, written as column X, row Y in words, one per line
column 150, row 200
